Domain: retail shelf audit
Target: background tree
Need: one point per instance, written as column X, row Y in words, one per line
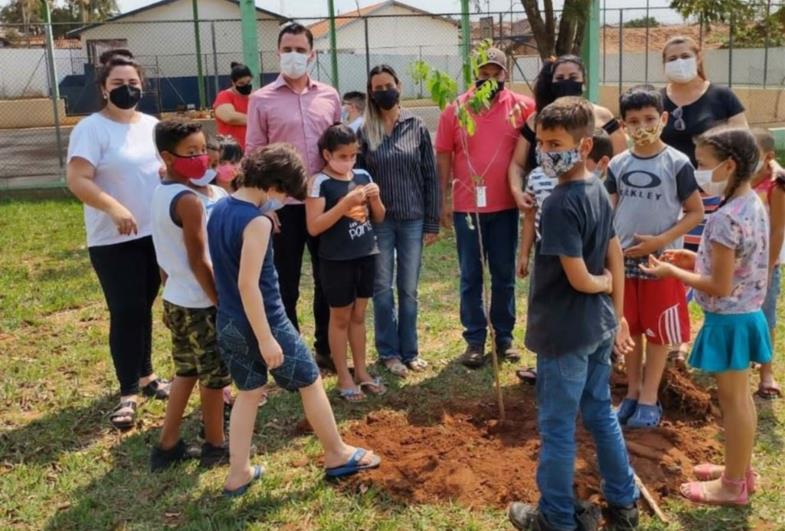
column 572, row 24
column 642, row 22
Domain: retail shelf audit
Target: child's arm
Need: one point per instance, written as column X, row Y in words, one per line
column 375, row 202
column 256, row 238
column 614, row 262
column 581, row 280
column 190, row 212
column 648, row 244
column 719, row 283
column 777, row 221
column 319, row 221
column 527, row 241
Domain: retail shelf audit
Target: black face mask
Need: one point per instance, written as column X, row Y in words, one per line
column 386, row 99
column 125, row 96
column 499, row 86
column 567, row 87
column 244, row 89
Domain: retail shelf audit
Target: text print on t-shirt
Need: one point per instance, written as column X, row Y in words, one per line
column 641, row 184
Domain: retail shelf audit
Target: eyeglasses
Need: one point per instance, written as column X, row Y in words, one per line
column 678, row 119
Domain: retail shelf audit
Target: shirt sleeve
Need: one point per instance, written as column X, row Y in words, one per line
column 337, row 112
column 256, row 132
column 445, row 132
column 430, row 182
column 725, row 230
column 221, row 98
column 611, row 185
column 686, row 184
column 731, row 102
column 84, row 143
column 560, row 230
column 315, row 189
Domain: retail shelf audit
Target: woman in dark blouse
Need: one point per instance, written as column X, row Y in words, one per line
column 396, row 150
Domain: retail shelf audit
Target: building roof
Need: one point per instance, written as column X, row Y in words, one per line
column 322, row 28
column 154, row 5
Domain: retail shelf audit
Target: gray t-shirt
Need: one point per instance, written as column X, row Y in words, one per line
column 651, row 192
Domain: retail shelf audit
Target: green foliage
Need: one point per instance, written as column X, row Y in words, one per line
column 642, row 22
column 710, row 11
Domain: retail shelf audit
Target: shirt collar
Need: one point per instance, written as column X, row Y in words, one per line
column 281, row 82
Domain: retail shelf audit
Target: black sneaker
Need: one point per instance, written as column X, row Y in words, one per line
column 474, row 356
column 509, row 353
column 214, row 455
column 622, row 518
column 324, row 361
column 161, row 459
column 524, row 516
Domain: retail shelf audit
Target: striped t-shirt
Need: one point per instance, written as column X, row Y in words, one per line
column 540, row 186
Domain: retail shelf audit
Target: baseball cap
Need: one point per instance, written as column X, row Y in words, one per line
column 495, row 56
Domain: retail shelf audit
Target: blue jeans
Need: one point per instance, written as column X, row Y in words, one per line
column 568, row 384
column 399, row 259
column 772, row 294
column 500, row 242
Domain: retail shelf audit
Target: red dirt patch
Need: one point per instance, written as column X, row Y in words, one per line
column 460, row 452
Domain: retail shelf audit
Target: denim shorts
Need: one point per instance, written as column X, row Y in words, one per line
column 240, row 352
column 772, row 294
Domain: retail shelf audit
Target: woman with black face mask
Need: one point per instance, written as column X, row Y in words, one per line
column 231, row 105
column 396, row 149
column 113, row 168
column 564, row 76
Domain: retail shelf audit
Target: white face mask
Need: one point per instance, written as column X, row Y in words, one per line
column 294, row 65
column 682, row 70
column 208, row 177
column 711, row 187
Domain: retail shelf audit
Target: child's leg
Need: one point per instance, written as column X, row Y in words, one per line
column 213, row 414
column 768, row 384
column 179, row 394
column 320, row 417
column 739, row 418
column 241, row 427
column 633, row 362
column 656, row 359
column 338, row 335
column 357, row 340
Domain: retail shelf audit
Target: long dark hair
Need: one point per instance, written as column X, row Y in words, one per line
column 374, row 127
column 738, row 144
column 239, row 71
column 111, row 59
column 543, row 86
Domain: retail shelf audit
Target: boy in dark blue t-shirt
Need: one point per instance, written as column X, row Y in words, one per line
column 578, row 264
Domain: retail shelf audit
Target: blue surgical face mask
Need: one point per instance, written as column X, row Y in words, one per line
column 271, row 205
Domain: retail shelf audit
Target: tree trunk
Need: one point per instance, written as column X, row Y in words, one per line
column 542, row 36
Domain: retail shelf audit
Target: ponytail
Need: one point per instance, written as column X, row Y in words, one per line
column 734, row 143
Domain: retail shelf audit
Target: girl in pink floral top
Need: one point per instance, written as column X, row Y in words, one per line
column 729, row 275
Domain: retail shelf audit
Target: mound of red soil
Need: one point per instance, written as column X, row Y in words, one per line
column 462, row 453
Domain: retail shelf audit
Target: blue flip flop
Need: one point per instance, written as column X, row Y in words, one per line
column 645, row 416
column 626, row 410
column 258, row 472
column 353, row 466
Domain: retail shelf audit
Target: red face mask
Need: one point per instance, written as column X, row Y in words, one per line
column 193, row 167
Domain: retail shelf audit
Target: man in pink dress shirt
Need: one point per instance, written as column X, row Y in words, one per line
column 297, row 110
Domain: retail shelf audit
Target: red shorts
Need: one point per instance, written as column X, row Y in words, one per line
column 657, row 309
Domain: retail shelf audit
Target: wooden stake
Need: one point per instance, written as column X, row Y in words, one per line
column 650, row 500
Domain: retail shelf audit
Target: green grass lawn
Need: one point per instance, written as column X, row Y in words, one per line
column 63, row 467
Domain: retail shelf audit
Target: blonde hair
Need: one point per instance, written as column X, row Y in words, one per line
column 689, row 41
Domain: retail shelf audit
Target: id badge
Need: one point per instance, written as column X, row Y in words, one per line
column 482, row 200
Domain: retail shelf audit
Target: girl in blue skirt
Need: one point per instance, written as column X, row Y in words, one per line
column 729, row 274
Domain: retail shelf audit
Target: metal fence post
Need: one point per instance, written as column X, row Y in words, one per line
column 54, row 90
column 199, row 67
column 604, row 42
column 621, row 47
column 466, row 43
column 766, row 45
column 216, row 83
column 591, row 52
column 367, row 47
column 732, row 29
column 646, row 58
column 250, row 39
column 333, row 45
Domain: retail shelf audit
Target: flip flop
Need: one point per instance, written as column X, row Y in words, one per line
column 527, row 376
column 417, row 364
column 352, row 394
column 353, row 465
column 695, row 491
column 769, row 392
column 374, row 387
column 396, row 366
column 258, row 472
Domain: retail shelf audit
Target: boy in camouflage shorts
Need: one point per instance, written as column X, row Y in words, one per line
column 181, row 205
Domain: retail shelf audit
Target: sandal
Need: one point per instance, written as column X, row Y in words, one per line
column 770, row 391
column 396, row 366
column 126, row 409
column 353, row 465
column 710, row 471
column 695, row 491
column 258, row 472
column 527, row 376
column 352, row 394
column 157, row 389
column 626, row 410
column 645, row 416
column 374, row 387
column 417, row 364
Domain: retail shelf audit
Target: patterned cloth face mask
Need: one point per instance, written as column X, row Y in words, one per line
column 556, row 163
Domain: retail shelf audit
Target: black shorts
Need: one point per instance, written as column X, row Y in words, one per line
column 344, row 281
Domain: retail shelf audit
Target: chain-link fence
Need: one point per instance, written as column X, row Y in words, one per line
column 187, row 63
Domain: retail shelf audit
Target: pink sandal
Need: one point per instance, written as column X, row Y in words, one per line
column 695, row 491
column 710, row 471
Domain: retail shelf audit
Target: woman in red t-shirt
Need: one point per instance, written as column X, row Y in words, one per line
column 231, row 105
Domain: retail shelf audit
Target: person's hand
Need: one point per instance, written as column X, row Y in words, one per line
column 517, row 115
column 646, row 245
column 355, row 198
column 446, row 217
column 372, row 190
column 657, row 268
column 608, row 276
column 523, row 266
column 276, row 221
column 430, row 238
column 623, row 344
column 528, row 204
column 681, row 258
column 123, row 220
column 271, row 353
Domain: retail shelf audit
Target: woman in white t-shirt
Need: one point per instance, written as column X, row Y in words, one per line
column 113, row 168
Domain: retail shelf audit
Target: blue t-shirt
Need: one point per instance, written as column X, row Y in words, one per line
column 225, row 229
column 577, row 222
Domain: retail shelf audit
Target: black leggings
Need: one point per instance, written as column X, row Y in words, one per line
column 129, row 277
